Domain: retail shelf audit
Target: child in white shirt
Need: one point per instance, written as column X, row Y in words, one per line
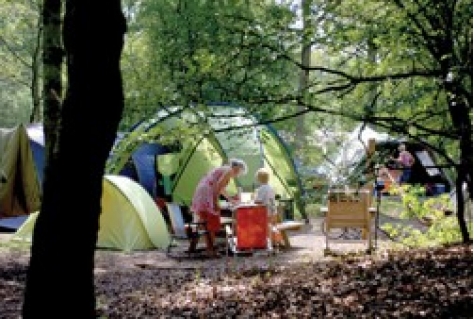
column 265, row 195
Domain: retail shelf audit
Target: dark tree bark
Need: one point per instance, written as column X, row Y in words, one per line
column 464, row 169
column 52, row 70
column 60, row 280
column 35, row 115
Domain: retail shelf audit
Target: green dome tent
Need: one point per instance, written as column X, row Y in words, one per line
column 130, row 219
column 193, row 153
column 201, row 143
column 259, row 146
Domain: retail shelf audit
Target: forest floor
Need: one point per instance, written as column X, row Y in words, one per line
column 299, row 282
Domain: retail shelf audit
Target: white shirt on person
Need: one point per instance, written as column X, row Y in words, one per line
column 265, row 195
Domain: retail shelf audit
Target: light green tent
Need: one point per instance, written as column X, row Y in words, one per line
column 20, row 192
column 196, row 161
column 277, row 159
column 130, row 219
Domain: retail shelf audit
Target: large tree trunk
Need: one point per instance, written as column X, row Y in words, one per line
column 60, row 280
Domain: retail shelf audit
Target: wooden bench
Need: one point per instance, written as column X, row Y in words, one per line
column 283, row 226
column 349, row 209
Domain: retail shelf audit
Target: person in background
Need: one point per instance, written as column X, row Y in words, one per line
column 406, row 161
column 265, row 195
column 205, row 202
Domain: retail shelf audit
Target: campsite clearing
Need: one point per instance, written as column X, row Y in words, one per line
column 299, row 283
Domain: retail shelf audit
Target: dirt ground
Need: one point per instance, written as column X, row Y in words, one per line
column 307, row 245
column 299, row 282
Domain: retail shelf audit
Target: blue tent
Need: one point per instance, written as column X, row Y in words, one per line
column 36, row 137
column 142, row 167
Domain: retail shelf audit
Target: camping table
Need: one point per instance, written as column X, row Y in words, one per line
column 226, row 221
column 226, row 212
column 282, row 225
column 226, row 226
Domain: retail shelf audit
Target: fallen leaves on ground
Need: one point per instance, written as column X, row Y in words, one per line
column 434, row 283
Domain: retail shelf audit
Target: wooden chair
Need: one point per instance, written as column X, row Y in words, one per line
column 181, row 231
column 349, row 209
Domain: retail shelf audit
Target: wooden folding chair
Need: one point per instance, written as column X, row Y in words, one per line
column 349, row 209
column 181, row 231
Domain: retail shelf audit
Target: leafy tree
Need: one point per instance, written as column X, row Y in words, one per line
column 62, row 258
column 20, row 75
column 204, row 51
column 422, row 73
column 402, row 66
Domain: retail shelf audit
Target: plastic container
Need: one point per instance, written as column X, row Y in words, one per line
column 251, row 227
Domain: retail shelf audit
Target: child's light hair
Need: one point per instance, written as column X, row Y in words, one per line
column 262, row 175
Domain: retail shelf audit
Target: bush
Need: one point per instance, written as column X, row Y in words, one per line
column 440, row 227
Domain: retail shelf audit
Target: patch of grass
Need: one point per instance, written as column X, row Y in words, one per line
column 390, row 206
column 14, row 245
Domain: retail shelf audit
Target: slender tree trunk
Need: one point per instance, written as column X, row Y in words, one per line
column 464, row 176
column 60, row 280
column 461, row 115
column 300, row 132
column 300, row 128
column 461, row 208
column 35, row 115
column 52, row 69
column 370, row 106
